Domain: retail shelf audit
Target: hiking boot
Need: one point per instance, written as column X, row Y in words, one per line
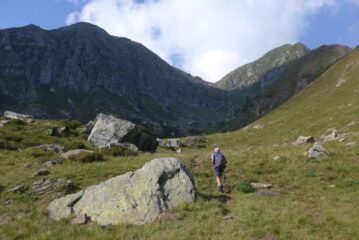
column 220, row 188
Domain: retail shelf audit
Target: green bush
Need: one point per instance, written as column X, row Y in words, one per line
column 245, row 187
column 87, row 157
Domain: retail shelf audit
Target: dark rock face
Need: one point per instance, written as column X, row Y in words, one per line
column 78, row 71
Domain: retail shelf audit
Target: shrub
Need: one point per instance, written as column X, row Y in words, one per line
column 245, row 187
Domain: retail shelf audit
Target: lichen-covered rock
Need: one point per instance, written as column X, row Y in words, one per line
column 135, row 197
column 111, row 131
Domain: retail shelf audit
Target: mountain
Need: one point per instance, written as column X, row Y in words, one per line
column 250, row 73
column 80, row 70
column 279, row 84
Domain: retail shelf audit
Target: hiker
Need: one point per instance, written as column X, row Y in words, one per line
column 219, row 164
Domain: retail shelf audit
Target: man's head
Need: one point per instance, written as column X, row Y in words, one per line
column 217, row 149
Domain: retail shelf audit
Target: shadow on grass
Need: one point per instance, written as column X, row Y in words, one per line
column 220, row 198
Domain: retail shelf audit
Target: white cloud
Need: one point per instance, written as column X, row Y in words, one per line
column 212, row 37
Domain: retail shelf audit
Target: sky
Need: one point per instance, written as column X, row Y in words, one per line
column 207, row 38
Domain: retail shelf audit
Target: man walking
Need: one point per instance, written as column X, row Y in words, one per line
column 219, row 164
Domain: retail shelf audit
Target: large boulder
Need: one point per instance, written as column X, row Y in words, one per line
column 135, row 197
column 18, row 116
column 111, row 131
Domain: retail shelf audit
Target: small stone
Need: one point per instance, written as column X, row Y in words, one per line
column 341, row 140
column 258, row 126
column 267, row 194
column 75, row 152
column 27, row 165
column 276, row 158
column 351, row 144
column 41, row 172
column 52, row 163
column 332, row 186
column 228, row 217
column 304, row 139
column 8, row 202
column 80, row 219
column 352, row 123
column 317, row 151
column 52, row 148
column 18, row 189
column 179, row 151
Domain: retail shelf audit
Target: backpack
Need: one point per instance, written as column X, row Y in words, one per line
column 219, row 159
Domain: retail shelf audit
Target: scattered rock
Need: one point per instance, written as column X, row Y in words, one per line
column 165, row 217
column 41, row 172
column 351, row 144
column 18, row 116
column 258, row 126
column 18, row 189
column 276, row 158
column 330, row 135
column 43, row 185
column 171, row 142
column 27, row 165
column 352, row 123
column 80, row 219
column 261, row 185
column 304, row 139
column 317, row 151
column 52, row 163
column 75, row 152
column 52, row 148
column 267, row 194
column 135, row 197
column 8, row 202
column 228, row 217
column 111, row 131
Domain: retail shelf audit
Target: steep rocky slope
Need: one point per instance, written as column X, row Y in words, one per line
column 80, row 70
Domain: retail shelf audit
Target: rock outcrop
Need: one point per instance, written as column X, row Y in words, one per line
column 111, row 131
column 135, row 197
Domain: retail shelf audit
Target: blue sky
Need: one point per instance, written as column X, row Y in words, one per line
column 331, row 21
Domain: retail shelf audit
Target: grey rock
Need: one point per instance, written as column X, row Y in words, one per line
column 111, row 131
column 18, row 116
column 52, row 163
column 80, row 219
column 304, row 139
column 41, row 172
column 52, row 148
column 135, row 197
column 171, row 142
column 43, row 185
column 27, row 165
column 75, row 152
column 18, row 189
column 331, row 135
column 317, row 151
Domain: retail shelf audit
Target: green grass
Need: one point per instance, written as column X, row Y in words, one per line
column 318, row 198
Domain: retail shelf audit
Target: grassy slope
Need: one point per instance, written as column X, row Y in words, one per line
column 318, row 199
